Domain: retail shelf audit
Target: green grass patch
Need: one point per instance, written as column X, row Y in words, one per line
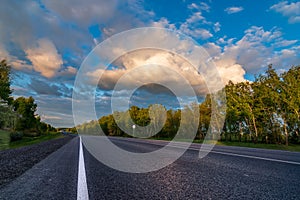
column 34, row 140
column 290, row 147
column 4, row 139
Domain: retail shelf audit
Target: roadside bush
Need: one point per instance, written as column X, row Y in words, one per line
column 14, row 136
column 31, row 133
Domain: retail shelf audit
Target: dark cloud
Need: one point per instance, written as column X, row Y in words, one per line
column 55, row 110
column 44, row 88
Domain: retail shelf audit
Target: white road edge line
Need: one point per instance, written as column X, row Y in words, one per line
column 233, row 154
column 224, row 153
column 82, row 191
column 248, row 156
column 256, row 157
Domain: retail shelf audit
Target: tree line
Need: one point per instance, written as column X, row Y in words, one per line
column 18, row 115
column 263, row 111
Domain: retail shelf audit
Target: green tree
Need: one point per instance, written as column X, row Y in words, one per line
column 205, row 116
column 5, row 90
column 289, row 91
column 25, row 108
column 7, row 116
column 242, row 108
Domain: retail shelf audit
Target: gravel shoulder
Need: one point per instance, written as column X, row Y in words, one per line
column 14, row 162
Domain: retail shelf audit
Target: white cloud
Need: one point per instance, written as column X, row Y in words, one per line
column 193, row 6
column 202, row 33
column 193, row 27
column 163, row 23
column 198, row 33
column 228, row 66
column 230, row 71
column 201, row 6
column 44, row 58
column 285, row 43
column 217, row 27
column 196, row 18
column 65, row 23
column 290, row 10
column 253, row 51
column 213, row 49
column 231, row 10
column 156, row 74
column 284, row 59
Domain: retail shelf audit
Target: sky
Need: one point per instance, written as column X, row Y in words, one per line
column 46, row 42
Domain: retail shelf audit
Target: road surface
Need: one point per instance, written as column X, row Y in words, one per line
column 225, row 173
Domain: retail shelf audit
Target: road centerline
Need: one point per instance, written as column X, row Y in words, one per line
column 82, row 191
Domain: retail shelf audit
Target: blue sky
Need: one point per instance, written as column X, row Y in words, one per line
column 46, row 41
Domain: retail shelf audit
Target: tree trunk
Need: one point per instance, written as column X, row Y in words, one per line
column 254, row 124
column 255, row 129
column 286, row 134
column 241, row 131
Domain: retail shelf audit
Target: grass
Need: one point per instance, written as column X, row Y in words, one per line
column 4, row 139
column 290, row 147
column 6, row 144
column 34, row 140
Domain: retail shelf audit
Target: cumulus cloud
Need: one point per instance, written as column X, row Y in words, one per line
column 284, row 58
column 290, row 10
column 197, row 25
column 231, row 10
column 155, row 73
column 193, row 26
column 163, row 23
column 199, row 33
column 229, row 70
column 45, row 58
column 65, row 24
column 253, row 51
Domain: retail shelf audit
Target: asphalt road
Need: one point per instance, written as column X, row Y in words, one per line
column 53, row 178
column 225, row 173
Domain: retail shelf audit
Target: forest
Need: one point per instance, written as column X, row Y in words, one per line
column 263, row 111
